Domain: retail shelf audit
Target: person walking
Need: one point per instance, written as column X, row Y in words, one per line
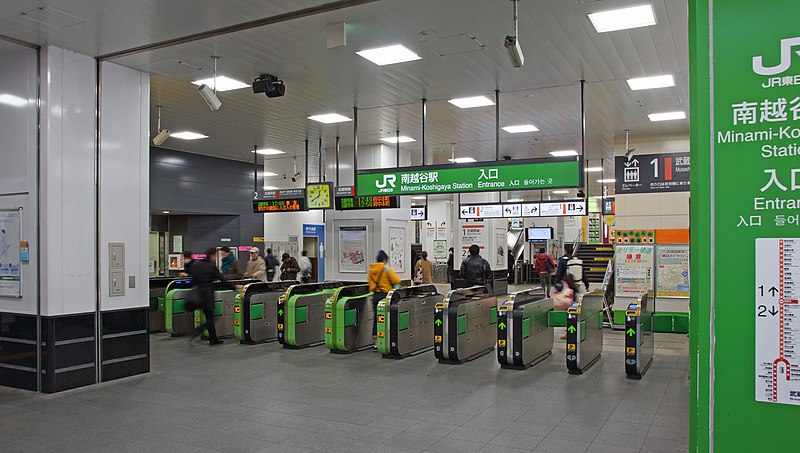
column 305, row 267
column 451, row 271
column 570, row 270
column 424, row 269
column 229, row 264
column 271, row 263
column 545, row 265
column 381, row 279
column 475, row 270
column 203, row 274
column 289, row 268
column 256, row 267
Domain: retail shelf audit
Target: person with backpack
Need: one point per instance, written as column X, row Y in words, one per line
column 545, row 265
column 381, row 279
column 475, row 270
column 570, row 271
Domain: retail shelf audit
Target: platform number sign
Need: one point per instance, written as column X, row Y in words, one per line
column 648, row 173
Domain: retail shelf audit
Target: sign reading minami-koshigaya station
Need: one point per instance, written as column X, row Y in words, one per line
column 478, row 177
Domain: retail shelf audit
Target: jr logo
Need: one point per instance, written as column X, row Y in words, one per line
column 786, row 59
column 387, row 180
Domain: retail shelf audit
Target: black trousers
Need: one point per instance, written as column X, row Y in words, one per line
column 209, row 325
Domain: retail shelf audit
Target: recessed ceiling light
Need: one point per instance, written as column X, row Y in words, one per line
column 270, row 188
column 623, row 18
column 401, row 139
column 561, row 192
column 521, row 128
column 462, row 160
column 470, row 102
column 13, row 101
column 188, row 135
column 593, row 169
column 565, row 153
column 382, row 56
column 223, row 83
column 165, row 212
column 269, row 173
column 515, row 200
column 329, row 118
column 649, row 83
column 606, row 181
column 667, row 116
column 268, row 151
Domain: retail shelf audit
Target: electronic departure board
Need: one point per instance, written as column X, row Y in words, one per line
column 373, row 202
column 291, row 205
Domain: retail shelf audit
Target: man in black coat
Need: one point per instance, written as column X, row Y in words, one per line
column 203, row 274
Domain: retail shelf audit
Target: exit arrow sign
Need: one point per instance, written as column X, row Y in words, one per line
column 571, row 329
column 280, row 312
column 501, row 326
column 631, row 332
column 438, row 322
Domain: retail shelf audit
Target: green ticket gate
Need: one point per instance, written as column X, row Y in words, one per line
column 524, row 335
column 255, row 310
column 639, row 343
column 223, row 314
column 177, row 319
column 405, row 321
column 348, row 319
column 301, row 314
column 158, row 293
column 584, row 332
column 465, row 325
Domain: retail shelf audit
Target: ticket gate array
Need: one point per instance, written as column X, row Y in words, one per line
column 639, row 343
column 255, row 310
column 158, row 288
column 348, row 320
column 524, row 335
column 405, row 321
column 301, row 314
column 584, row 332
column 465, row 325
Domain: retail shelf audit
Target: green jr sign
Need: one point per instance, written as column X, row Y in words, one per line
column 478, row 177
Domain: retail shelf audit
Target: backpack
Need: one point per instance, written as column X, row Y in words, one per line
column 574, row 266
column 548, row 264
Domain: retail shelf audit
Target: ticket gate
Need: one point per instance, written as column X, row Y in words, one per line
column 255, row 310
column 301, row 314
column 584, row 332
column 524, row 336
column 348, row 320
column 465, row 325
column 158, row 288
column 223, row 314
column 639, row 343
column 405, row 321
column 177, row 319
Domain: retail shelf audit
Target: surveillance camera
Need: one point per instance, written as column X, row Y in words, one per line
column 514, row 51
column 294, row 179
column 162, row 136
column 284, row 176
column 210, row 97
column 270, row 85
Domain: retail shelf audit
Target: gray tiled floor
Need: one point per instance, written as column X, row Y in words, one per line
column 262, row 398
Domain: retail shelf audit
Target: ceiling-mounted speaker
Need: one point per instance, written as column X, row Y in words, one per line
column 269, row 85
column 337, row 35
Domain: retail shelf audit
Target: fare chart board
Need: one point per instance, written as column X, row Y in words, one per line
column 477, row 177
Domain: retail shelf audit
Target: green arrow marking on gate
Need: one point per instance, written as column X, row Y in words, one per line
column 501, row 326
column 631, row 332
column 280, row 312
column 571, row 329
column 438, row 322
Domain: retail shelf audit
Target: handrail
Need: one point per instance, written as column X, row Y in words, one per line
column 577, row 242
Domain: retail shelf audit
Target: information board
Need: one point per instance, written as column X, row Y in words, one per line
column 672, row 270
column 10, row 275
column 372, row 202
column 515, row 210
column 648, row 173
column 268, row 206
column 477, row 177
column 633, row 274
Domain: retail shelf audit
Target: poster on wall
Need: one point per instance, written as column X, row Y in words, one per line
column 500, row 261
column 10, row 229
column 175, row 262
column 634, row 270
column 353, row 249
column 177, row 244
column 672, row 271
column 397, row 249
column 440, row 251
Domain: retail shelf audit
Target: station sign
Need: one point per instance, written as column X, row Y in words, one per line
column 288, row 205
column 516, row 210
column 372, row 202
column 419, row 212
column 649, row 173
column 477, row 177
column 284, row 194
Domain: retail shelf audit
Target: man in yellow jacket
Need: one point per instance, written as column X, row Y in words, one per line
column 381, row 279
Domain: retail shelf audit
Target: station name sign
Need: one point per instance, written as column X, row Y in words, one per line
column 477, row 177
column 516, row 210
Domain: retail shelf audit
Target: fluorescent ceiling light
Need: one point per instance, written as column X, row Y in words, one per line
column 401, row 139
column 521, row 128
column 462, row 160
column 268, row 151
column 649, row 83
column 188, row 135
column 165, row 212
column 417, row 198
column 515, row 200
column 329, row 118
column 223, row 83
column 606, row 181
column 269, row 173
column 667, row 116
column 565, row 153
column 623, row 18
column 593, row 169
column 561, row 192
column 13, row 101
column 474, row 101
column 270, row 188
column 382, row 56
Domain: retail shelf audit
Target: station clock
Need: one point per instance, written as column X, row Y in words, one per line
column 319, row 195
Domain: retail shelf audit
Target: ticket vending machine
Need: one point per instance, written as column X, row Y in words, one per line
column 639, row 344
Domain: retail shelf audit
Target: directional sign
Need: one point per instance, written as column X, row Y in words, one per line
column 480, row 211
column 512, row 210
column 501, row 326
column 563, row 208
column 438, row 322
column 631, row 332
column 571, row 329
column 530, row 210
column 419, row 213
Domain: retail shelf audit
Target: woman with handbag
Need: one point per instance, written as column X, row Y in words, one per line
column 382, row 279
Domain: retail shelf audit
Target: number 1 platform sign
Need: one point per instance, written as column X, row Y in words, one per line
column 649, row 173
